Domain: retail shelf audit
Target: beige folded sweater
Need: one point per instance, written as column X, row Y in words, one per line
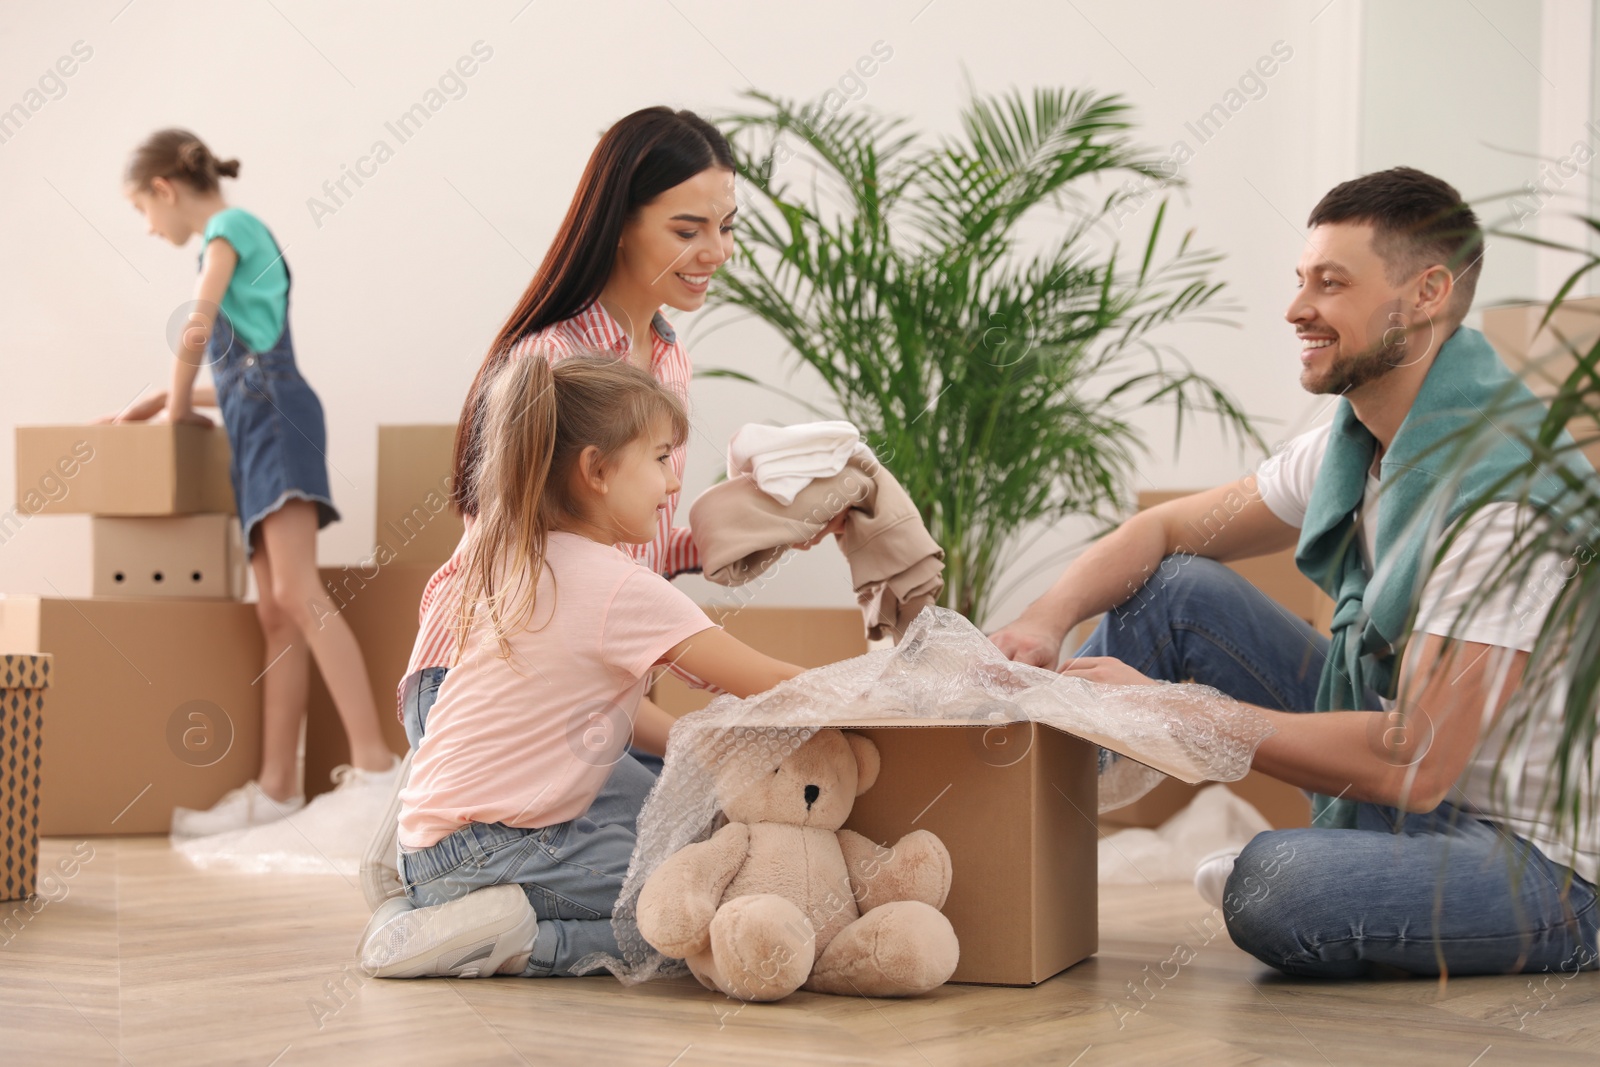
column 895, row 565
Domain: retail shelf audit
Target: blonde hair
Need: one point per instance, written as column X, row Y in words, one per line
column 539, row 418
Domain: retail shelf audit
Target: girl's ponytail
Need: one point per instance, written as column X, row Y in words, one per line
column 513, row 482
column 178, row 155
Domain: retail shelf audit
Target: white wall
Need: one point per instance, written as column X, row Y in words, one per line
column 1465, row 108
column 397, row 293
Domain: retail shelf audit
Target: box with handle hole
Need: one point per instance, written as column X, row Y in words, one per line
column 185, row 556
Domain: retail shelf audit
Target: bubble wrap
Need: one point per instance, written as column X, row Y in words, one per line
column 327, row 836
column 943, row 668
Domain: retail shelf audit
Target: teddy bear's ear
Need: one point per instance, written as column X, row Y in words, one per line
column 867, row 763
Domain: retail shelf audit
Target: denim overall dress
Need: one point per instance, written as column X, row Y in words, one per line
column 274, row 424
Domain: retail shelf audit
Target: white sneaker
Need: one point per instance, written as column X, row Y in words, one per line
column 488, row 931
column 238, row 809
column 375, row 948
column 380, row 880
column 1211, row 875
column 345, row 776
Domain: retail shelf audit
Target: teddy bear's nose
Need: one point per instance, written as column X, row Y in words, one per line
column 812, row 793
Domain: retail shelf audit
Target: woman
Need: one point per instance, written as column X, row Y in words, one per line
column 650, row 223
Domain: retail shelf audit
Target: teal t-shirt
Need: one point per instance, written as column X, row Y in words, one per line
column 257, row 299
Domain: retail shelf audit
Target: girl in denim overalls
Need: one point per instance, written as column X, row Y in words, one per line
column 238, row 323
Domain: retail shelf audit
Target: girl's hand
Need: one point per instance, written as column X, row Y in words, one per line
column 1107, row 669
column 139, row 410
column 190, row 417
column 835, row 526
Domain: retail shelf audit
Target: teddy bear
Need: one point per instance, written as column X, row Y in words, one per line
column 781, row 897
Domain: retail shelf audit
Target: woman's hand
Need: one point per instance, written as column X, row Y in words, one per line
column 835, row 526
column 1107, row 669
column 1035, row 644
column 140, row 410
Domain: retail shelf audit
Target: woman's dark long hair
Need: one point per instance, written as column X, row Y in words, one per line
column 638, row 159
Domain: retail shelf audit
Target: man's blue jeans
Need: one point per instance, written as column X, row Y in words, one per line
column 1427, row 893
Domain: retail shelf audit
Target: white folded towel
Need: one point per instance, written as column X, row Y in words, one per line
column 785, row 459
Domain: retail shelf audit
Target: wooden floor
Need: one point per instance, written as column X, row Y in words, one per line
column 140, row 960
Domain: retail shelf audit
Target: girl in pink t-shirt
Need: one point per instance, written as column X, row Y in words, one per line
column 518, row 821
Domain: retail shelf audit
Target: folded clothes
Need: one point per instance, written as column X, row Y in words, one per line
column 785, row 459
column 896, row 567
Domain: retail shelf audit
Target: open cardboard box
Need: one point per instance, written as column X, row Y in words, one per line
column 1015, row 803
column 134, row 468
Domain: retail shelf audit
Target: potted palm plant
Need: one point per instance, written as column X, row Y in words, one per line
column 994, row 380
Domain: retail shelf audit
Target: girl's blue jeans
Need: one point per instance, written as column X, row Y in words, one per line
column 571, row 872
column 1444, row 891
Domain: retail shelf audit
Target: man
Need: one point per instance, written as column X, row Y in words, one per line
column 1424, row 856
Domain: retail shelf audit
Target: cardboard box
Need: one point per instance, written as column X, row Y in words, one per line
column 23, row 681
column 123, row 469
column 380, row 605
column 806, row 637
column 1015, row 805
column 153, row 704
column 167, row 556
column 1545, row 361
column 1281, row 804
column 415, row 521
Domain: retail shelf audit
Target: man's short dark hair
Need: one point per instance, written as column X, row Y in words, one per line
column 1417, row 220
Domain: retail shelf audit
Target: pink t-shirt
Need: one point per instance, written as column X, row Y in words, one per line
column 529, row 741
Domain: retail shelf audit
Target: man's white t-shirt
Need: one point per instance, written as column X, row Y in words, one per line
column 1507, row 789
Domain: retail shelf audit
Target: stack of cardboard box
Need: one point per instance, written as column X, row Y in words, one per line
column 157, row 697
column 153, row 703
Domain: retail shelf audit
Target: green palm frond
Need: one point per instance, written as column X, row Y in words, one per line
column 996, row 384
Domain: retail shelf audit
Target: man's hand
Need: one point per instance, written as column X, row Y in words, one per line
column 1036, row 644
column 1107, row 669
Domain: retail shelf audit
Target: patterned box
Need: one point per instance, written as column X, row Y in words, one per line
column 23, row 680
